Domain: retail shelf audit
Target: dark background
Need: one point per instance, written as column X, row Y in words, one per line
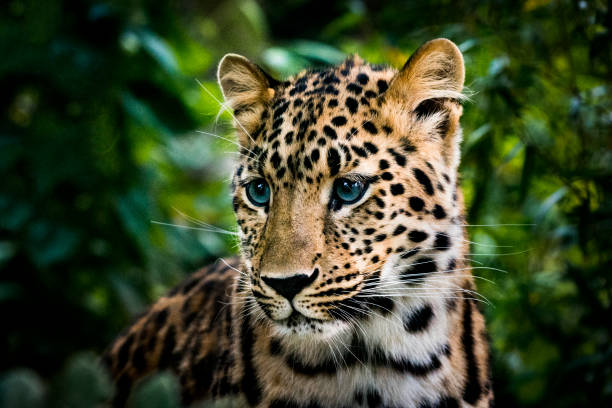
column 99, row 118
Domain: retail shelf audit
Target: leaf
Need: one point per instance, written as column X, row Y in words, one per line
column 283, row 61
column 160, row 50
column 21, row 388
column 82, row 383
column 549, row 203
column 318, row 52
column 49, row 243
column 498, row 65
column 134, row 211
column 473, row 137
column 143, row 114
column 158, row 391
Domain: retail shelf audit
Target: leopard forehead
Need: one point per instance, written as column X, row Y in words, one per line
column 318, row 121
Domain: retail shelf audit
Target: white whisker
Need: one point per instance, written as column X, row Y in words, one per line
column 229, row 110
column 192, row 228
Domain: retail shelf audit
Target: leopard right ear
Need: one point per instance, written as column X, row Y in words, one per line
column 247, row 89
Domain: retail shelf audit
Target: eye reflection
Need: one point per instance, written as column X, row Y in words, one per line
column 348, row 191
column 258, row 192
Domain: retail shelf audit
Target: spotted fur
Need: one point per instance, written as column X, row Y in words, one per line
column 384, row 314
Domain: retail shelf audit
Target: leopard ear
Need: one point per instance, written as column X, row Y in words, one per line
column 246, row 89
column 429, row 87
column 434, row 71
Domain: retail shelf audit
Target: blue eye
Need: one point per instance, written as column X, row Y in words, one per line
column 349, row 191
column 258, row 192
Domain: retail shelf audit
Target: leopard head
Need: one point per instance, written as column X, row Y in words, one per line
column 346, row 188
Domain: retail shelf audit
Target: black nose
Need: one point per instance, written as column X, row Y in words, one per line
column 291, row 286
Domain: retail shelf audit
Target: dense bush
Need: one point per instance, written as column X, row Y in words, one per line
column 104, row 129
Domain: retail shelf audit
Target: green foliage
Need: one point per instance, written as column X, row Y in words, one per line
column 98, row 137
column 158, row 391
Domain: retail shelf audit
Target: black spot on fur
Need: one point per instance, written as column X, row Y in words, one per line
column 249, row 382
column 370, row 94
column 472, row 390
column 286, row 403
column 442, row 241
column 124, row 351
column 417, row 236
column 354, row 88
column 275, row 347
column 333, row 161
column 399, row 159
column 362, row 79
column 359, row 151
column 416, row 203
column 424, row 180
column 370, row 128
column 418, row 320
column 397, row 189
column 289, row 138
column 314, row 155
column 327, row 366
column 399, row 230
column 370, row 147
column 161, row 317
column 352, row 104
column 439, row 212
column 275, row 160
column 166, row 358
column 407, row 146
column 444, row 402
column 339, row 121
column 420, row 267
column 373, row 398
column 331, row 133
column 382, row 85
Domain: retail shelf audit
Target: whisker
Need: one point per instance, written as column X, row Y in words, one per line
column 192, row 228
column 486, row 245
column 448, row 271
column 201, row 223
column 490, row 225
column 227, row 108
column 448, row 297
column 227, row 140
column 499, row 254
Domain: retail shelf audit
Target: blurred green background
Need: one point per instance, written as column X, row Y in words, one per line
column 99, row 136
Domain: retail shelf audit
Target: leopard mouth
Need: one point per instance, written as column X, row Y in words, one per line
column 297, row 319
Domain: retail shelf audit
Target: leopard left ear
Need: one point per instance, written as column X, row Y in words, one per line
column 429, row 87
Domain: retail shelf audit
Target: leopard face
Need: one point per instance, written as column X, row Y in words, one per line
column 345, row 193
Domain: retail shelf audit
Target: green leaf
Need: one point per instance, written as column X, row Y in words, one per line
column 549, row 203
column 158, row 391
column 21, row 388
column 49, row 243
column 160, row 50
column 143, row 114
column 82, row 383
column 317, row 52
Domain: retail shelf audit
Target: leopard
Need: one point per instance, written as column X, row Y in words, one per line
column 353, row 287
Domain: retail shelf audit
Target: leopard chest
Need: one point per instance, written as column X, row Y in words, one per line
column 399, row 359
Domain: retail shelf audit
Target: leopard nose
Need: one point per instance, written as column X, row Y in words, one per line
column 290, row 286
